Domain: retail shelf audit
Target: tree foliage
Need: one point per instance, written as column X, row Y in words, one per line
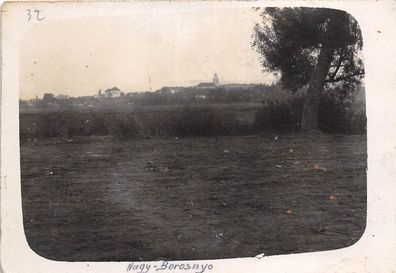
column 289, row 41
column 311, row 47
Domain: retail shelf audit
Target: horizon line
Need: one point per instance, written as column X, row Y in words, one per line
column 144, row 91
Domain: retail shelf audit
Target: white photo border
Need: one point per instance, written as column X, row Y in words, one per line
column 374, row 252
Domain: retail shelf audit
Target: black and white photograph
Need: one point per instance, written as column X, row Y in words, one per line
column 192, row 134
column 198, row 137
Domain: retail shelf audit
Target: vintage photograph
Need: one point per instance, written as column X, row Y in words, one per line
column 192, row 133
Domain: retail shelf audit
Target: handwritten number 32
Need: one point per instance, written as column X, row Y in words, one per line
column 37, row 12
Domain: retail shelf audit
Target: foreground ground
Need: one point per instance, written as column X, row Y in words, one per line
column 193, row 198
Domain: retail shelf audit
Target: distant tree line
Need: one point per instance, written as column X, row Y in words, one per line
column 193, row 120
column 188, row 111
column 163, row 96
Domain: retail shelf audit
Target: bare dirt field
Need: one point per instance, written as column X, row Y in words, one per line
column 96, row 199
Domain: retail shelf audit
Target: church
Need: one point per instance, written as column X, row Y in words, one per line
column 209, row 85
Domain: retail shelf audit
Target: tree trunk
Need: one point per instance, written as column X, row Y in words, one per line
column 309, row 121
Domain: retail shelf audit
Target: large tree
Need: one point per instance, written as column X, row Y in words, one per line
column 313, row 48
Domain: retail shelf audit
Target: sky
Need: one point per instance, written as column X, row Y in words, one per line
column 79, row 56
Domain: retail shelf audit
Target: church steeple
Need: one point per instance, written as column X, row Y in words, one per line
column 215, row 79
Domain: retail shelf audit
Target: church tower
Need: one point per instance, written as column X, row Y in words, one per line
column 215, row 80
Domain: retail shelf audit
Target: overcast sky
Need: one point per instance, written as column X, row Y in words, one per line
column 174, row 48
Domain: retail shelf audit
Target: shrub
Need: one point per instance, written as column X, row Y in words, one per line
column 206, row 122
column 51, row 125
column 122, row 126
column 334, row 116
column 154, row 124
column 337, row 117
column 274, row 118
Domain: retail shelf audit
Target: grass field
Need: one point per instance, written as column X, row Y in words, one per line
column 192, row 198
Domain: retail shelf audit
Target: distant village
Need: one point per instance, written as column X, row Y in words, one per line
column 204, row 92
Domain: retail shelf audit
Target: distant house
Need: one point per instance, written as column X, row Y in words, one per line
column 112, row 93
column 63, row 97
column 209, row 85
column 175, row 89
column 206, row 85
column 237, row 86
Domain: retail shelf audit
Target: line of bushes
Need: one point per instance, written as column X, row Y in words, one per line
column 333, row 117
column 183, row 122
column 189, row 121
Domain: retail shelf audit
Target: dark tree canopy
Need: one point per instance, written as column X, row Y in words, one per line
column 312, row 47
column 289, row 41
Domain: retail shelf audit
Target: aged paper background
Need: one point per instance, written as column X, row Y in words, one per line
column 374, row 252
